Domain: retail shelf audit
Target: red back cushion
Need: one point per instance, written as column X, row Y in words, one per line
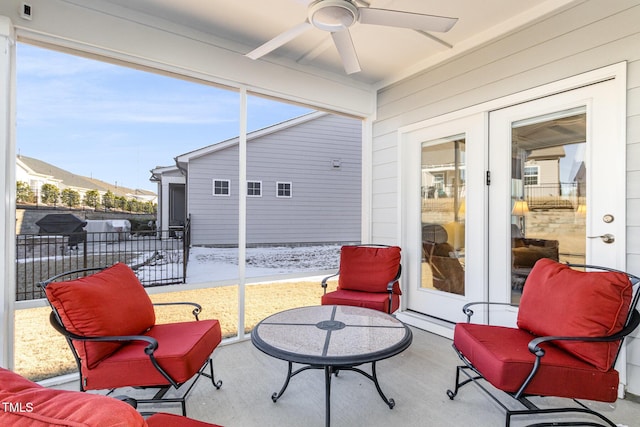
column 369, row 269
column 28, row 404
column 559, row 301
column 110, row 302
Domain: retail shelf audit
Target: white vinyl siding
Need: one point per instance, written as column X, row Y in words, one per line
column 587, row 36
column 327, row 204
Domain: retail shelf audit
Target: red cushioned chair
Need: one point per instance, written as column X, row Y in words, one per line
column 570, row 329
column 25, row 403
column 110, row 325
column 368, row 277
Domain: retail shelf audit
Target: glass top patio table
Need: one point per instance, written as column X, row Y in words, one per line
column 333, row 338
column 331, row 335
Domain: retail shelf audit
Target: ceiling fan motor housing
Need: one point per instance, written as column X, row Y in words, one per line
column 333, row 15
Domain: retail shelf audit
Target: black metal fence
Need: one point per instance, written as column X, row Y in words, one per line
column 158, row 258
column 560, row 195
column 563, row 195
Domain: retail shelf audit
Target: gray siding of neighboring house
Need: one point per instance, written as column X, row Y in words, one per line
column 585, row 37
column 326, row 202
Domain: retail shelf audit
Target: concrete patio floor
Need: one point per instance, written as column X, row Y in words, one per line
column 416, row 379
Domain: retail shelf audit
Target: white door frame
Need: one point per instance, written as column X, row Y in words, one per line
column 603, row 143
column 440, row 304
column 411, row 250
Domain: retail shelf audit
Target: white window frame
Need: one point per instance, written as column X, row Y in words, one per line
column 290, row 184
column 525, row 175
column 228, row 181
column 259, row 188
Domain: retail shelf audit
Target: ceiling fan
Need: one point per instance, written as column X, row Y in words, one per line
column 336, row 16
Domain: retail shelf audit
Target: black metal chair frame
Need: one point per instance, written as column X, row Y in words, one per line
column 389, row 285
column 474, row 376
column 152, row 346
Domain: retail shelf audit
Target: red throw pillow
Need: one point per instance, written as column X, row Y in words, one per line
column 110, row 302
column 369, row 269
column 25, row 403
column 560, row 301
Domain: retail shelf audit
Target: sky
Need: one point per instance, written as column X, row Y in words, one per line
column 115, row 123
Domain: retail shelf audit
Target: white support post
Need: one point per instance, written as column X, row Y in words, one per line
column 366, row 180
column 8, row 189
column 242, row 211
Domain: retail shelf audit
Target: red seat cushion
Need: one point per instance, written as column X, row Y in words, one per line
column 502, row 356
column 184, row 348
column 376, row 301
column 26, row 403
column 368, row 269
column 110, row 302
column 171, row 420
column 560, row 301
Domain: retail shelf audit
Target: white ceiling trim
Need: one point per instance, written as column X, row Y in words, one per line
column 550, row 7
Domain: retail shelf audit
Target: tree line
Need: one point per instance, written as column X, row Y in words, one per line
column 51, row 195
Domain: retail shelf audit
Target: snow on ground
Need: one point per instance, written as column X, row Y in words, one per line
column 207, row 264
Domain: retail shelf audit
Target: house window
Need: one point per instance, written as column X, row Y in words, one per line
column 254, row 188
column 283, row 189
column 531, row 174
column 221, row 187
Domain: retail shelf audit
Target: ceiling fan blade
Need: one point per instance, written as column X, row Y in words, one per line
column 414, row 21
column 347, row 51
column 279, row 40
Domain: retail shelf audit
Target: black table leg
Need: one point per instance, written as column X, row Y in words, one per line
column 290, row 374
column 373, row 377
column 327, row 381
column 276, row 396
column 390, row 402
column 328, row 372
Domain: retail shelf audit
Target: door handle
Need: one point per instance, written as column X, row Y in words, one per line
column 606, row 238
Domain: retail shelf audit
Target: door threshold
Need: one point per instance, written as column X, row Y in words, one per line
column 427, row 323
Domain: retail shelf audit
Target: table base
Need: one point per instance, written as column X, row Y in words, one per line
column 328, row 372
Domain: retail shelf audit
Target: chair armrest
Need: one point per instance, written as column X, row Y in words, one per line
column 534, row 344
column 149, row 349
column 196, row 311
column 539, row 352
column 394, row 280
column 324, row 281
column 468, row 312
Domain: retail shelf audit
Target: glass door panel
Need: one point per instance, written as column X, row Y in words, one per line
column 548, row 192
column 444, row 198
column 443, row 203
column 557, row 172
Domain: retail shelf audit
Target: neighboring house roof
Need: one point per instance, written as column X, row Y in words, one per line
column 548, row 153
column 159, row 171
column 183, row 159
column 68, row 179
column 20, row 164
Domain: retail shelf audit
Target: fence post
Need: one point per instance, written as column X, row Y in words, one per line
column 84, row 252
column 186, row 243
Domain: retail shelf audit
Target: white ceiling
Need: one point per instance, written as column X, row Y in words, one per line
column 386, row 54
